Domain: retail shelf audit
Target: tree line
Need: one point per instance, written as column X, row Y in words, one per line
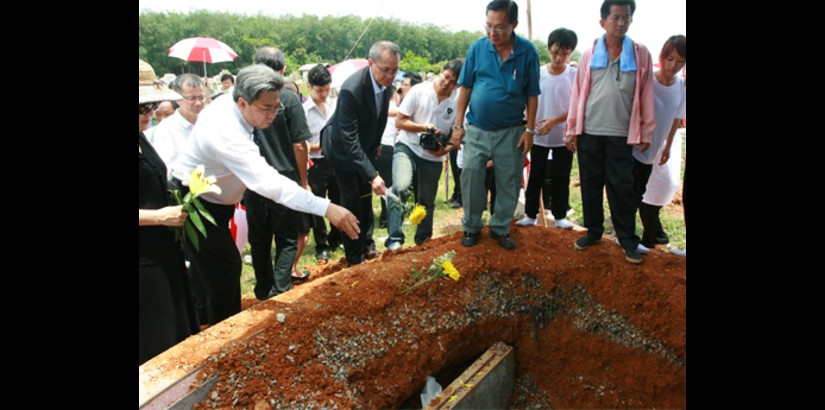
column 303, row 40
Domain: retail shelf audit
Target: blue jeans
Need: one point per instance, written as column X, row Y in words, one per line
column 405, row 164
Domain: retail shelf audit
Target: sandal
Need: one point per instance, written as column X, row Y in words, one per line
column 300, row 275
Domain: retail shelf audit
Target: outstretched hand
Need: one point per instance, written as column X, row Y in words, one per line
column 344, row 220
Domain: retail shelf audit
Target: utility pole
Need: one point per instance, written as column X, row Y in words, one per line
column 529, row 21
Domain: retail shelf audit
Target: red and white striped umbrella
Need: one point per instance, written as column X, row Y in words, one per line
column 203, row 49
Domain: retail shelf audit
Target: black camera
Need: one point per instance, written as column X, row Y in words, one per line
column 432, row 141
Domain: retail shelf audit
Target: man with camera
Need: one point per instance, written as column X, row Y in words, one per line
column 424, row 119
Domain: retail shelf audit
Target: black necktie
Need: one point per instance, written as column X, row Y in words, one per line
column 256, row 136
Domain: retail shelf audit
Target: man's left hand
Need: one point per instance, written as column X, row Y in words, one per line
column 527, row 140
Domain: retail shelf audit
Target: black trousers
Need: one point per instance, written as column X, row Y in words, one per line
column 356, row 196
column 218, row 265
column 456, row 176
column 551, row 178
column 384, row 167
column 322, row 181
column 266, row 219
column 648, row 214
column 490, row 186
column 166, row 313
column 607, row 161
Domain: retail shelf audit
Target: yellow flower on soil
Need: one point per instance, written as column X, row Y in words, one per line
column 198, row 184
column 450, row 270
column 418, row 214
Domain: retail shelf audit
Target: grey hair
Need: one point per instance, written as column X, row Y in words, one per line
column 254, row 80
column 271, row 57
column 380, row 47
column 188, row 79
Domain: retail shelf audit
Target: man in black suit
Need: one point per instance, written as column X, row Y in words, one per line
column 352, row 137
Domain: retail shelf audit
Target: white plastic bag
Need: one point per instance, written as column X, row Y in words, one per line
column 430, row 390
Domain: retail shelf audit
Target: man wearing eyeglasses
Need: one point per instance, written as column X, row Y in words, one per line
column 611, row 114
column 170, row 136
column 499, row 81
column 284, row 146
column 222, row 141
column 351, row 138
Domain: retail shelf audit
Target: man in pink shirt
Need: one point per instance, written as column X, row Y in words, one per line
column 611, row 114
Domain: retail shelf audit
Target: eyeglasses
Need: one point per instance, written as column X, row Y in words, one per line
column 559, row 53
column 192, row 98
column 146, row 108
column 270, row 110
column 497, row 30
column 387, row 70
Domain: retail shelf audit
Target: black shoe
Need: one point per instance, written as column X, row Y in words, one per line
column 662, row 240
column 371, row 254
column 455, row 204
column 382, row 225
column 469, row 239
column 585, row 241
column 322, row 256
column 632, row 256
column 505, row 241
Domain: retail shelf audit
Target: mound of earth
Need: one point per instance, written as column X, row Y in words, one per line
column 589, row 330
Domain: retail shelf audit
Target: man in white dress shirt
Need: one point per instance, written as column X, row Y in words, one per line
column 222, row 141
column 170, row 136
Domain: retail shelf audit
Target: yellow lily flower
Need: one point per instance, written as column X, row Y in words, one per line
column 418, row 214
column 450, row 270
column 198, row 184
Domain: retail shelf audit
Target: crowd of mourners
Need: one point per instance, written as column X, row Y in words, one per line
column 297, row 164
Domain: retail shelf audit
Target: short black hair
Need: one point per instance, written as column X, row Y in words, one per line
column 510, row 6
column 228, row 77
column 678, row 43
column 415, row 78
column 609, row 3
column 454, row 65
column 565, row 38
column 319, row 76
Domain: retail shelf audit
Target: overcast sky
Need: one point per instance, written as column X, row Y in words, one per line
column 653, row 22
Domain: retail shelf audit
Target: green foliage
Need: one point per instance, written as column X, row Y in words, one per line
column 544, row 55
column 304, row 39
column 414, row 63
column 575, row 56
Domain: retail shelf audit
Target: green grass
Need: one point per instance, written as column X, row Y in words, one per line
column 674, row 225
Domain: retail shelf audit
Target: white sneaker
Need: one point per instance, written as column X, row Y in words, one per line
column 394, row 246
column 564, row 224
column 526, row 221
column 639, row 248
column 570, row 212
column 678, row 252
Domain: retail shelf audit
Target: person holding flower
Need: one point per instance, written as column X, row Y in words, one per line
column 427, row 107
column 166, row 314
column 223, row 142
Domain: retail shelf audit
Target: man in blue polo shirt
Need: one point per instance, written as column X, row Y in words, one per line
column 499, row 80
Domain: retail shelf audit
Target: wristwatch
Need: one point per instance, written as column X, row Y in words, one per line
column 458, row 127
column 531, row 131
